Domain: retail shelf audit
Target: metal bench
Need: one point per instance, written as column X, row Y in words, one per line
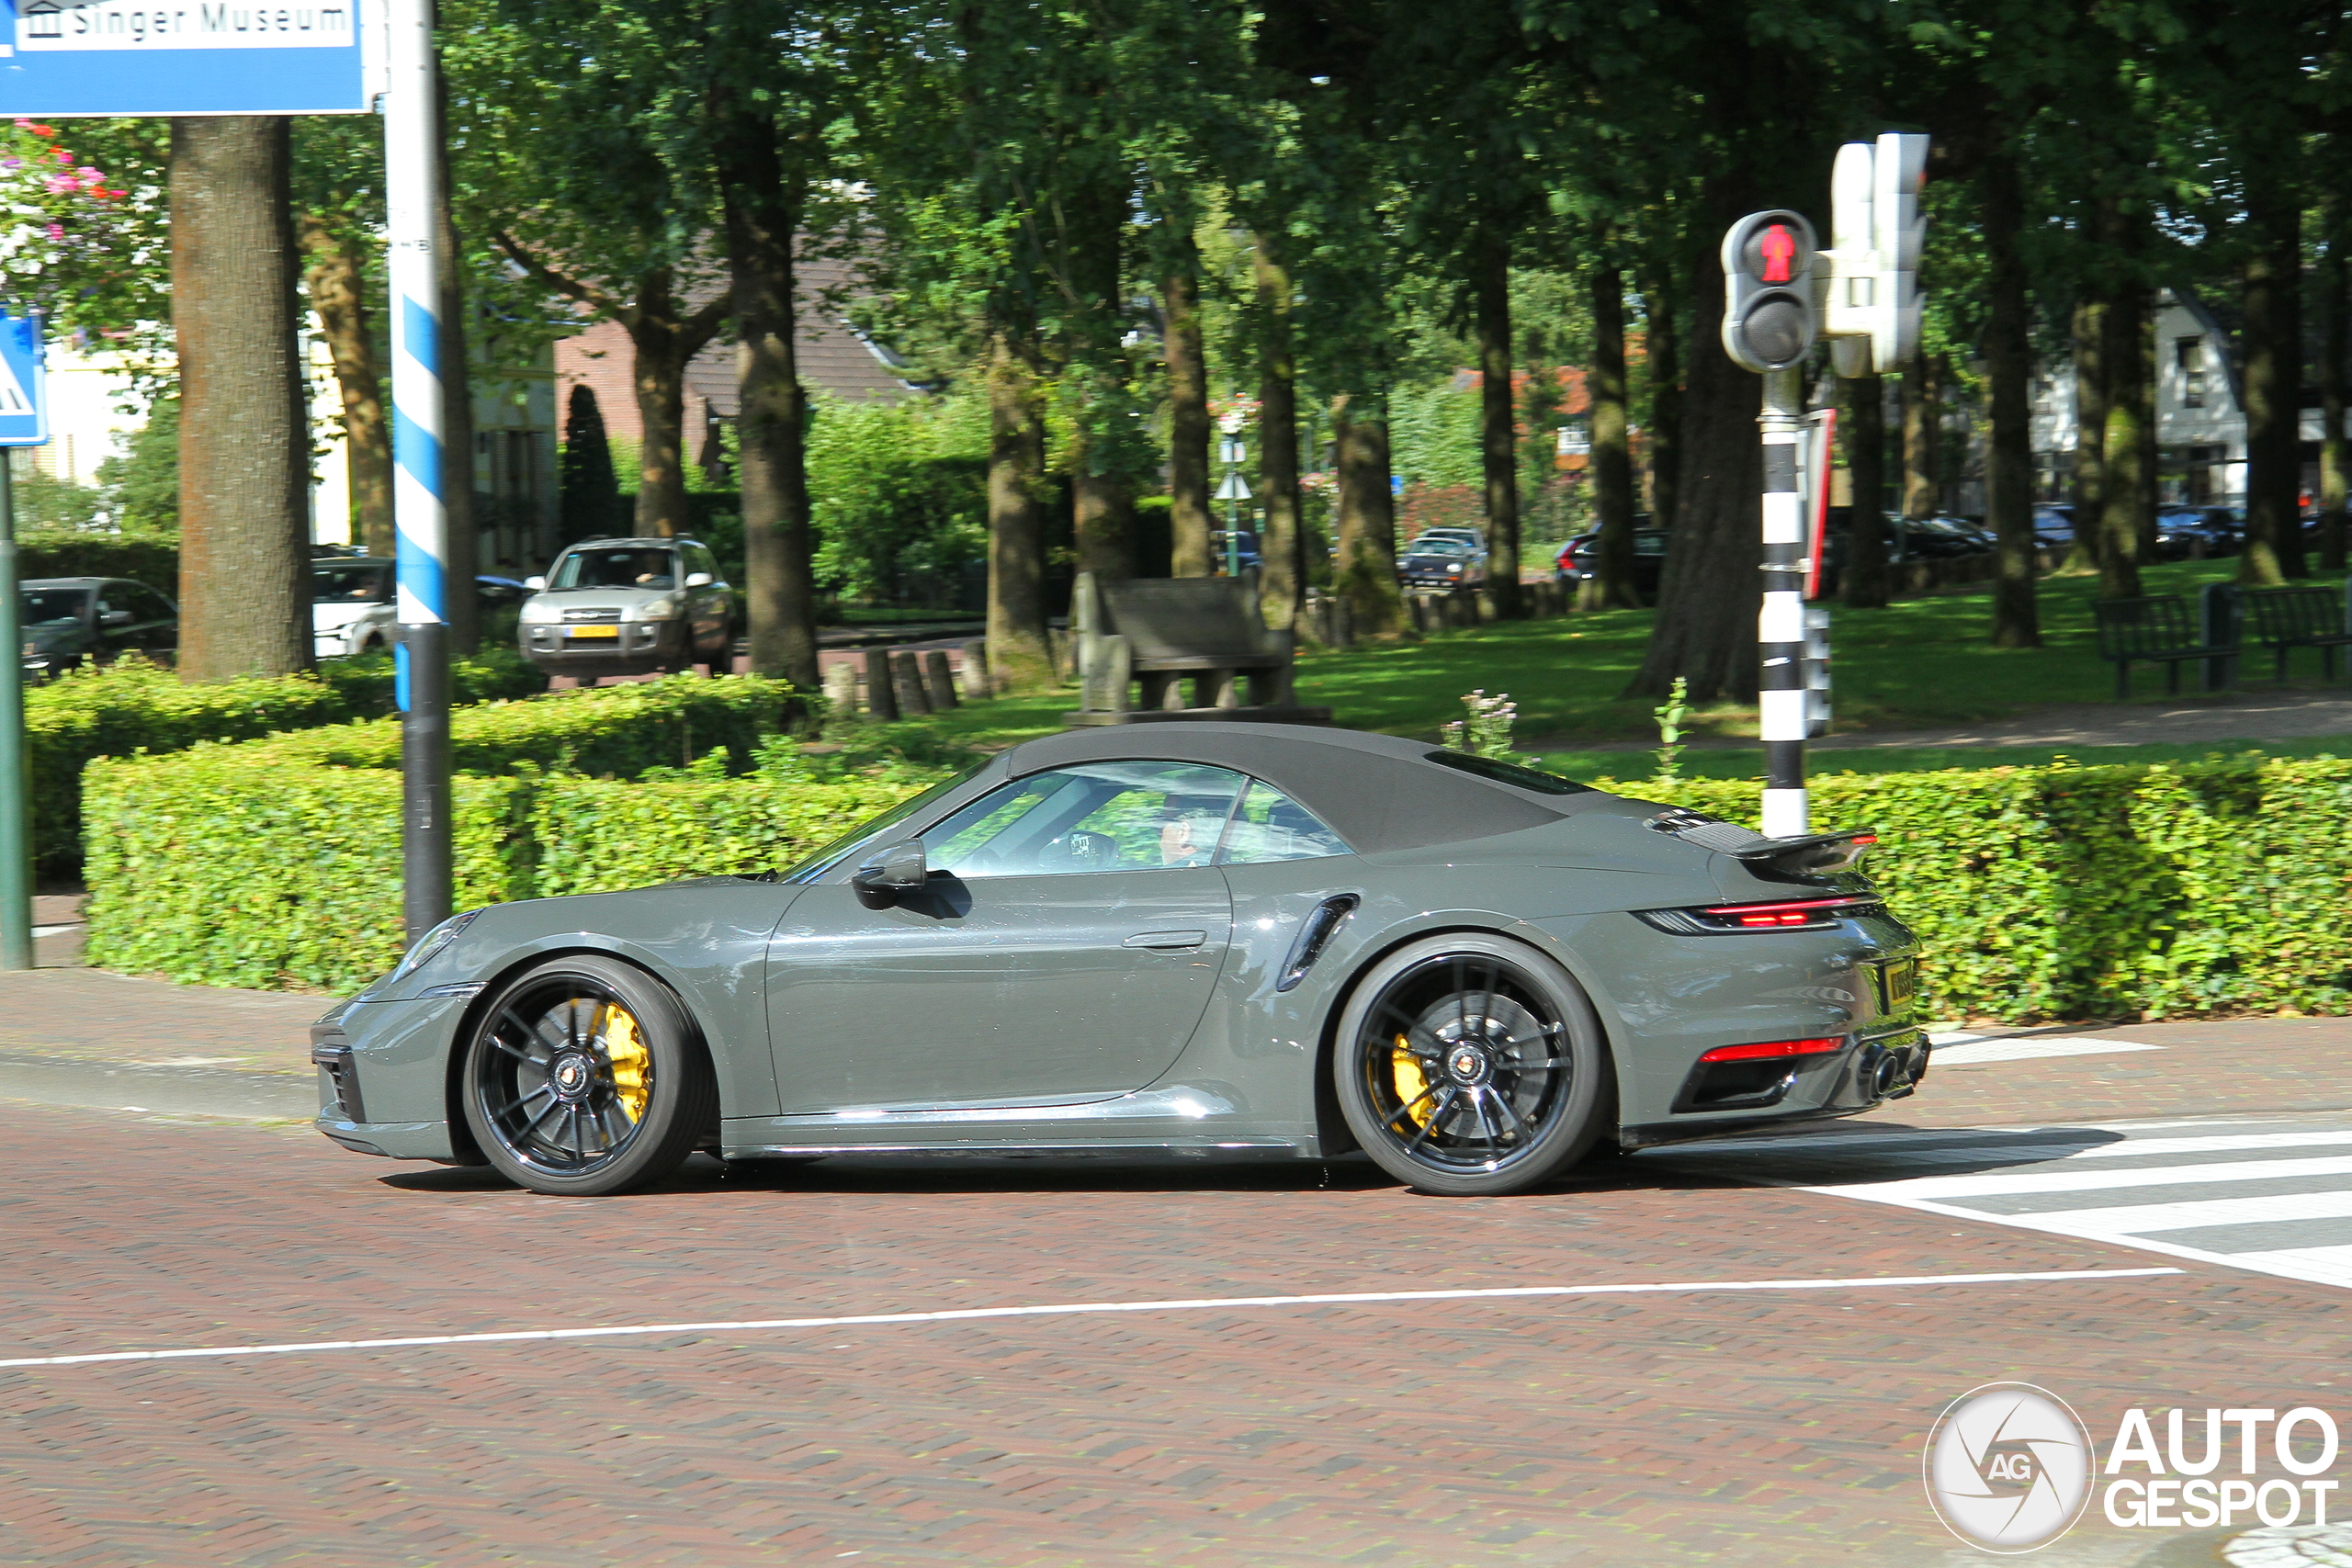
column 2284, row 619
column 1180, row 648
column 2159, row 629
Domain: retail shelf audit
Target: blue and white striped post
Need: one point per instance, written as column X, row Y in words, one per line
column 412, row 179
column 1780, row 625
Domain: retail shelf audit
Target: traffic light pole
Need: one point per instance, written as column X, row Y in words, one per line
column 1780, row 625
column 412, row 179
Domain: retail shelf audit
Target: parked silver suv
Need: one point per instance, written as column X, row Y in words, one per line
column 630, row 607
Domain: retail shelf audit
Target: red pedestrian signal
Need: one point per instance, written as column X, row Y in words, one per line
column 1768, row 285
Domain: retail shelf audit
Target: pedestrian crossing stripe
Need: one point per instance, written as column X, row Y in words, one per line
column 2275, row 1198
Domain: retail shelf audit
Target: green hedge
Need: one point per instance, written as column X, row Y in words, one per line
column 143, row 557
column 133, row 706
column 2070, row 892
column 276, row 863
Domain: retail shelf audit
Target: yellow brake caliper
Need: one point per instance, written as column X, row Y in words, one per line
column 1410, row 1085
column 626, row 1053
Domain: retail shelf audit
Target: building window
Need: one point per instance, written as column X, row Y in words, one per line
column 2188, row 353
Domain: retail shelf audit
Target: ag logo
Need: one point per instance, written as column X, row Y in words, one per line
column 2009, row 1467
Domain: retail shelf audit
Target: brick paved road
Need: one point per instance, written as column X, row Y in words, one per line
column 1725, row 1428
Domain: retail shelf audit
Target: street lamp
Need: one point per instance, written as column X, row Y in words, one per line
column 1233, row 492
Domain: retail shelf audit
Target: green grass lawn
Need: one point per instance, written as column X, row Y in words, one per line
column 1921, row 663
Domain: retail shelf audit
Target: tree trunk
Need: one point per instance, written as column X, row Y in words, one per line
column 1367, row 524
column 2009, row 360
column 1497, row 427
column 2274, row 374
column 1709, row 596
column 760, row 213
column 245, row 439
column 1283, row 546
column 1662, row 347
column 1864, row 425
column 657, row 375
column 2126, row 485
column 1188, row 519
column 2334, row 452
column 1104, row 505
column 2090, row 431
column 336, row 279
column 2151, row 459
column 1019, row 659
column 1611, row 461
column 1923, row 411
column 457, row 415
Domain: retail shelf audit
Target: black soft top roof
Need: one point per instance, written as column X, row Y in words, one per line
column 1378, row 792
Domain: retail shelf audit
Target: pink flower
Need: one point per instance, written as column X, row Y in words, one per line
column 57, row 232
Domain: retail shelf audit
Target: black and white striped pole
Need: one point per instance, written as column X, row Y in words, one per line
column 1769, row 328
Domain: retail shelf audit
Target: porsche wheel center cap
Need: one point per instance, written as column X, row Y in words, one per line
column 571, row 1076
column 1467, row 1065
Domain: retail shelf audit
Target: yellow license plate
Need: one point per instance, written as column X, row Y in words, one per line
column 591, row 631
column 1898, row 984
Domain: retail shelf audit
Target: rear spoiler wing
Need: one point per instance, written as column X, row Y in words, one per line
column 1813, row 854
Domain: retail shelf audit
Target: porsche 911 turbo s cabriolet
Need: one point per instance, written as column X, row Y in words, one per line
column 1220, row 939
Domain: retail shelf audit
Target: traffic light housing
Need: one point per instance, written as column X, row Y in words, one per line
column 1876, row 234
column 1768, row 290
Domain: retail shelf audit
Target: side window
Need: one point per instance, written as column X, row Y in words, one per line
column 1098, row 816
column 700, row 559
column 1271, row 826
column 152, row 605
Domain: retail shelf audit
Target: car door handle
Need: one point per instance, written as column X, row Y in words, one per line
column 1166, row 939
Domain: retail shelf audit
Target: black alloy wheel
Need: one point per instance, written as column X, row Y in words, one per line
column 1472, row 1066
column 582, row 1078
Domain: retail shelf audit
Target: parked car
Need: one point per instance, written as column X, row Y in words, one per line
column 1085, row 941
column 1470, row 536
column 1440, row 563
column 1942, row 539
column 630, row 607
column 1579, row 558
column 2183, row 532
column 1245, row 549
column 2053, row 527
column 354, row 610
column 70, row 622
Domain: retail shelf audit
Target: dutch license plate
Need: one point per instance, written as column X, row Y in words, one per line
column 577, row 632
column 1897, row 983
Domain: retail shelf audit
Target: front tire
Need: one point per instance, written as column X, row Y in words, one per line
column 1471, row 1065
column 583, row 1079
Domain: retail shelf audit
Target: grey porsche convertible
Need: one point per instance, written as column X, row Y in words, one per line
column 1229, row 941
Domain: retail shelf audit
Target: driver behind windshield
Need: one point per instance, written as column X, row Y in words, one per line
column 1189, row 829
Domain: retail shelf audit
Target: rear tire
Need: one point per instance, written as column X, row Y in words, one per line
column 1472, row 1066
column 584, row 1078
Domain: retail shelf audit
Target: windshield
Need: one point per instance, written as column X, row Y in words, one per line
column 631, row 568
column 54, row 606
column 356, row 582
column 1439, row 548
column 830, row 854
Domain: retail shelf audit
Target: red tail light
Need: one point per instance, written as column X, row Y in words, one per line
column 1771, row 1048
column 1795, row 914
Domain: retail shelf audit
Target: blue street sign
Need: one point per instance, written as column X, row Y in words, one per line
column 24, row 398
column 63, row 58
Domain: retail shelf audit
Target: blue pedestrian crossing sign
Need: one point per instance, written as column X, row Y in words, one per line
column 24, row 402
column 63, row 58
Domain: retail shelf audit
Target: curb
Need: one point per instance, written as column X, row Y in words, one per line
column 179, row 1091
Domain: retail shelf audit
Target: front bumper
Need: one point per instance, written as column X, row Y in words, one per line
column 638, row 648
column 383, row 1080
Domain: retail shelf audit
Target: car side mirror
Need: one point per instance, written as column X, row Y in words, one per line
column 890, row 874
column 115, row 618
column 699, row 580
column 534, row 583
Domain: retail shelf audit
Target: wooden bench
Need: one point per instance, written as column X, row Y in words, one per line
column 2284, row 619
column 1180, row 648
column 2159, row 629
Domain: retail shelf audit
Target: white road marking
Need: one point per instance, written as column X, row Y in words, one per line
column 1068, row 1309
column 1960, row 1054
column 2029, row 1162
